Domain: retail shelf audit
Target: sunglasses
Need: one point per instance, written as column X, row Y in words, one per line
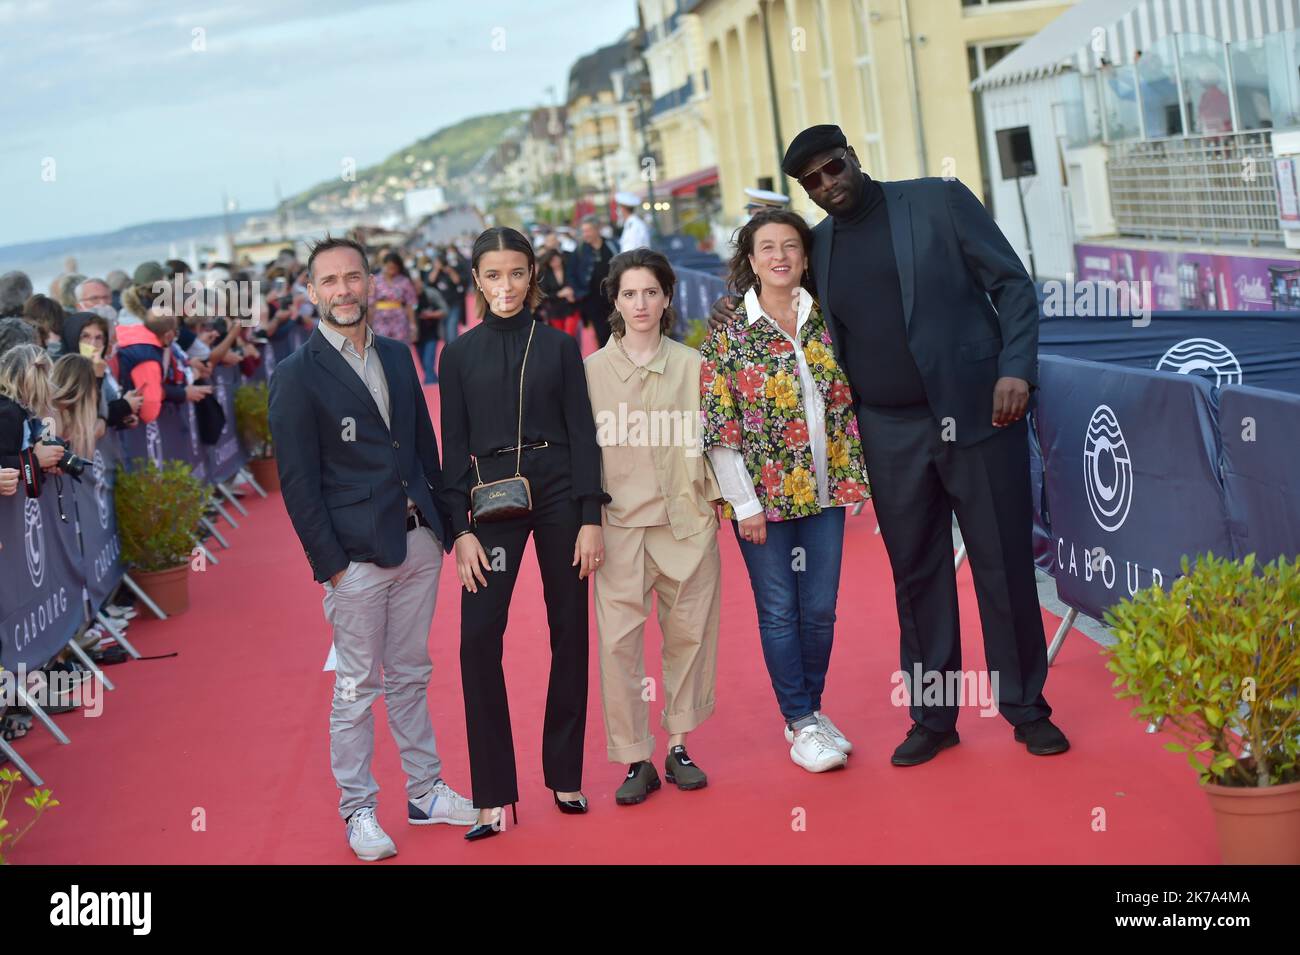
column 831, row 167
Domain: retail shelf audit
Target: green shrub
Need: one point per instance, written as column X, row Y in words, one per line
column 696, row 332
column 1217, row 659
column 39, row 802
column 158, row 513
column 253, row 418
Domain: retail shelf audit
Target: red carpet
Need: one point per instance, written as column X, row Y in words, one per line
column 233, row 730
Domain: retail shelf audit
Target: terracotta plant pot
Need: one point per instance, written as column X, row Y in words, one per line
column 1257, row 825
column 169, row 589
column 265, row 474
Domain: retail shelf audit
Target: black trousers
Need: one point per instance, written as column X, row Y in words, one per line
column 553, row 523
column 918, row 481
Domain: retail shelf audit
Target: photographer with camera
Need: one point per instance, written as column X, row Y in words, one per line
column 27, row 440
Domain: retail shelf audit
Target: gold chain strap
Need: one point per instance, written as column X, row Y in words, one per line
column 519, row 439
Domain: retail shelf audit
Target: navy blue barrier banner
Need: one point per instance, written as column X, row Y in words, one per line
column 41, row 579
column 142, row 441
column 696, row 293
column 226, row 457
column 1261, row 349
column 1131, row 470
column 1044, row 556
column 1261, row 470
column 101, row 549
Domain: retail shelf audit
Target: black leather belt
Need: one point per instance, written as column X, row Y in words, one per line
column 525, row 447
column 416, row 519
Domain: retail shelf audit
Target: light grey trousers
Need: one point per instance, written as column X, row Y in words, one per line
column 381, row 618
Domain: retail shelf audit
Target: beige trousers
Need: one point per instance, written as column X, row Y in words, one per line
column 686, row 576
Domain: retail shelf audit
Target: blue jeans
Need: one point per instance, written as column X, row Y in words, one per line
column 795, row 593
column 428, row 359
column 429, row 350
column 451, row 324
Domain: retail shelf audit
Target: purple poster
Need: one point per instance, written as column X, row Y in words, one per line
column 1196, row 281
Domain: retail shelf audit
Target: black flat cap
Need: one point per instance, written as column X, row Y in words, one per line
column 813, row 140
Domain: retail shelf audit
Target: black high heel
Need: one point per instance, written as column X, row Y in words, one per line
column 483, row 830
column 574, row 807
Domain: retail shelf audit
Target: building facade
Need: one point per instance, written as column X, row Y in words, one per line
column 685, row 171
column 894, row 74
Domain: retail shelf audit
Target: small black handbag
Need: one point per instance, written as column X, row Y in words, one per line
column 513, row 496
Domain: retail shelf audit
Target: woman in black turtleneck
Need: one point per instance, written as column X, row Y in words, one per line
column 561, row 459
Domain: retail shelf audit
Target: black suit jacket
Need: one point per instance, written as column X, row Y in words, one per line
column 344, row 475
column 970, row 307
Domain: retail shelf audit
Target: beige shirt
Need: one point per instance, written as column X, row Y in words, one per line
column 648, row 427
column 368, row 368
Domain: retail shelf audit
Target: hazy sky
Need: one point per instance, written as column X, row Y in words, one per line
column 140, row 125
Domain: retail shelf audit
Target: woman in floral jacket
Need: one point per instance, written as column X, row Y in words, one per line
column 783, row 440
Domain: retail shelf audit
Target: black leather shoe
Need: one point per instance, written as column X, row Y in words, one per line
column 574, row 807
column 922, row 745
column 1041, row 737
column 485, row 829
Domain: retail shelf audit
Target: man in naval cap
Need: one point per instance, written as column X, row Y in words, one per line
column 636, row 234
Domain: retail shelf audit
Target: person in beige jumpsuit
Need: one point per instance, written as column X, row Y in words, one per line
column 660, row 528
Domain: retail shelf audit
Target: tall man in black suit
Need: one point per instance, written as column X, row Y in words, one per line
column 935, row 322
column 360, row 477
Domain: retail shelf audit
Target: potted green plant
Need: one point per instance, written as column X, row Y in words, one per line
column 39, row 802
column 1215, row 660
column 253, row 422
column 158, row 515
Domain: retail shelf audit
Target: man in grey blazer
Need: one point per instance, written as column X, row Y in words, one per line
column 360, row 478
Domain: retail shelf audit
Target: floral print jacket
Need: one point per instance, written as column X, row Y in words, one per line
column 751, row 402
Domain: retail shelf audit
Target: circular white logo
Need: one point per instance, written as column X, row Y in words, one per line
column 153, row 443
column 34, row 539
column 98, row 471
column 1108, row 472
column 1204, row 357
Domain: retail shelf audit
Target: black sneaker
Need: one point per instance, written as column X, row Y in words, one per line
column 680, row 770
column 922, row 745
column 1041, row 737
column 641, row 780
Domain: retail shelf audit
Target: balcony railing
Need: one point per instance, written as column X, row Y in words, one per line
column 674, row 98
column 1203, row 188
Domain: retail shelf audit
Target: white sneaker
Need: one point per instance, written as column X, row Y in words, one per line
column 441, row 804
column 814, row 752
column 833, row 734
column 367, row 840
column 829, row 729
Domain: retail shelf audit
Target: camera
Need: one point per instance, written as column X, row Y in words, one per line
column 69, row 463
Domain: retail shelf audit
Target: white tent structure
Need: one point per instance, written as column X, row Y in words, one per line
column 1143, row 83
